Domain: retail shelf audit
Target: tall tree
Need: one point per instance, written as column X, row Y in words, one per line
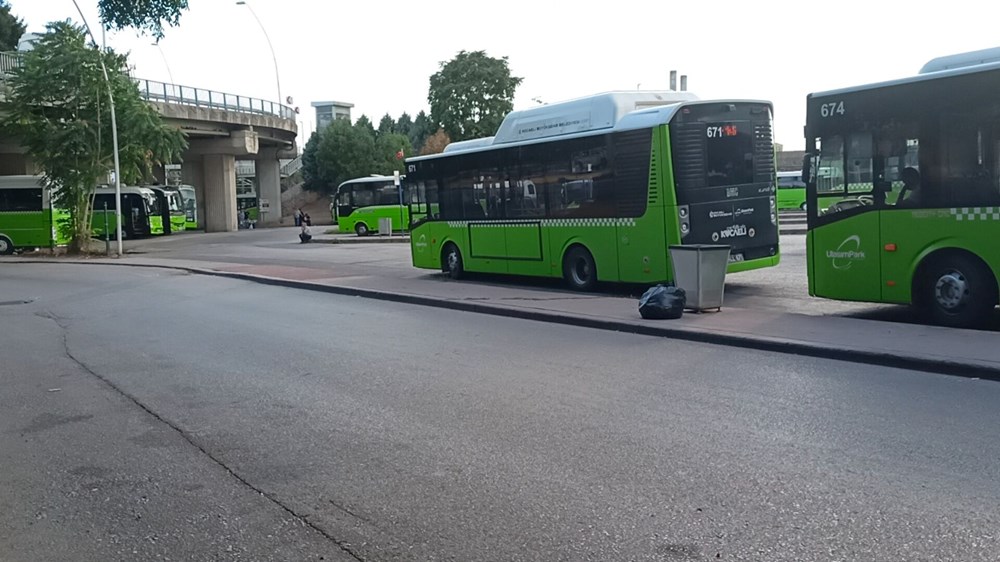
column 57, row 106
column 11, row 28
column 390, row 150
column 365, row 124
column 343, row 152
column 310, row 167
column 147, row 16
column 403, row 125
column 471, row 95
column 420, row 130
column 435, row 143
column 387, row 125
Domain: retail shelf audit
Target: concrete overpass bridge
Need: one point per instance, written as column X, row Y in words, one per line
column 220, row 128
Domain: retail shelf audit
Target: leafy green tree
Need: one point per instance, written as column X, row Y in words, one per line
column 57, row 106
column 310, row 167
column 343, row 152
column 420, row 130
column 435, row 143
column 390, row 150
column 364, row 123
column 403, row 125
column 148, row 16
column 11, row 28
column 386, row 126
column 471, row 95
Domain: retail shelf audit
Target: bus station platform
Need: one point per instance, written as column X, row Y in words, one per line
column 959, row 352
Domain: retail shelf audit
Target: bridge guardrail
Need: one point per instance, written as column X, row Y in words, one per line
column 153, row 90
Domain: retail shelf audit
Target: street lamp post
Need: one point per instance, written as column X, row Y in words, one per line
column 165, row 63
column 114, row 136
column 277, row 79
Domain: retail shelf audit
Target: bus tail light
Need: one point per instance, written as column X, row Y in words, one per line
column 774, row 211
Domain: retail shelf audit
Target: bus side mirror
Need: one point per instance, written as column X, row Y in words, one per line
column 807, row 159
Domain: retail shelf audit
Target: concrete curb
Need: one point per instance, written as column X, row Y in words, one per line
column 760, row 343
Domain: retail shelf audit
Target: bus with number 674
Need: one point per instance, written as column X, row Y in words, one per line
column 903, row 190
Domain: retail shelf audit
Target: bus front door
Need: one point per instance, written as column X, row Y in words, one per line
column 845, row 260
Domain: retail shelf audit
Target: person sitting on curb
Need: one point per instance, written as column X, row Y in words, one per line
column 305, row 235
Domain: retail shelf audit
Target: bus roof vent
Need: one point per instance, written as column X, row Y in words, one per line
column 962, row 60
column 468, row 144
column 593, row 113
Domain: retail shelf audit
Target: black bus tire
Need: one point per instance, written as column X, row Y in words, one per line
column 451, row 261
column 6, row 246
column 579, row 269
column 361, row 229
column 956, row 290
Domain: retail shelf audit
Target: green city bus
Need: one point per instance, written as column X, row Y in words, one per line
column 139, row 209
column 190, row 201
column 791, row 191
column 597, row 189
column 171, row 207
column 26, row 217
column 360, row 203
column 903, row 190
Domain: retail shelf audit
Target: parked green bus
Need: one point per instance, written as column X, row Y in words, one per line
column 360, row 203
column 170, row 204
column 903, row 190
column 26, row 217
column 791, row 191
column 598, row 188
column 190, row 200
column 138, row 207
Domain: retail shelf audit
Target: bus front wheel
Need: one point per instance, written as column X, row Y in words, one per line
column 361, row 229
column 6, row 246
column 957, row 290
column 579, row 269
column 451, row 261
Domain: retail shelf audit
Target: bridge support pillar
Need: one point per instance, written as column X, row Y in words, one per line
column 193, row 174
column 220, row 192
column 269, row 186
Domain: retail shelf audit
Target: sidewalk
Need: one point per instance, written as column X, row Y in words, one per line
column 968, row 353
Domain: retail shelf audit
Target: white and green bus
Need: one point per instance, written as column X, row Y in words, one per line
column 360, row 203
column 27, row 220
column 139, row 207
column 597, row 189
column 903, row 190
column 190, row 202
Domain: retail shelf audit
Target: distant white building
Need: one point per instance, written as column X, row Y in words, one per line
column 327, row 111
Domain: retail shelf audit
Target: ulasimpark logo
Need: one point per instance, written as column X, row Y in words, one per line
column 847, row 253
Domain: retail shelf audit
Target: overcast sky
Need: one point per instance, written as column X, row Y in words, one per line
column 379, row 55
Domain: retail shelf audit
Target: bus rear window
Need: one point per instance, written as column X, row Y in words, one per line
column 729, row 152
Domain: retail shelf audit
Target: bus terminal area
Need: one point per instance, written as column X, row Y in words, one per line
column 764, row 309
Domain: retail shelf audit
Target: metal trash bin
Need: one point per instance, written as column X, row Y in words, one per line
column 385, row 226
column 700, row 269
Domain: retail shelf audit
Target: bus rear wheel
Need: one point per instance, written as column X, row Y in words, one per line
column 361, row 229
column 579, row 269
column 451, row 261
column 6, row 246
column 957, row 290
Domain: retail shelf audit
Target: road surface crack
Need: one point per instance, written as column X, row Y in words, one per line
column 304, row 519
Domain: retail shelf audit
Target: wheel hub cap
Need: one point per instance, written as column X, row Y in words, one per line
column 951, row 290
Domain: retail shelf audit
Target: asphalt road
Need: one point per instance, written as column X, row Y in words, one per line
column 155, row 415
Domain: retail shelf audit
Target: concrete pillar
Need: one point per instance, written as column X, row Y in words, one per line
column 269, row 188
column 220, row 193
column 193, row 174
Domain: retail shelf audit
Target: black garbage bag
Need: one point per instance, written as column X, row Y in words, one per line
column 662, row 302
